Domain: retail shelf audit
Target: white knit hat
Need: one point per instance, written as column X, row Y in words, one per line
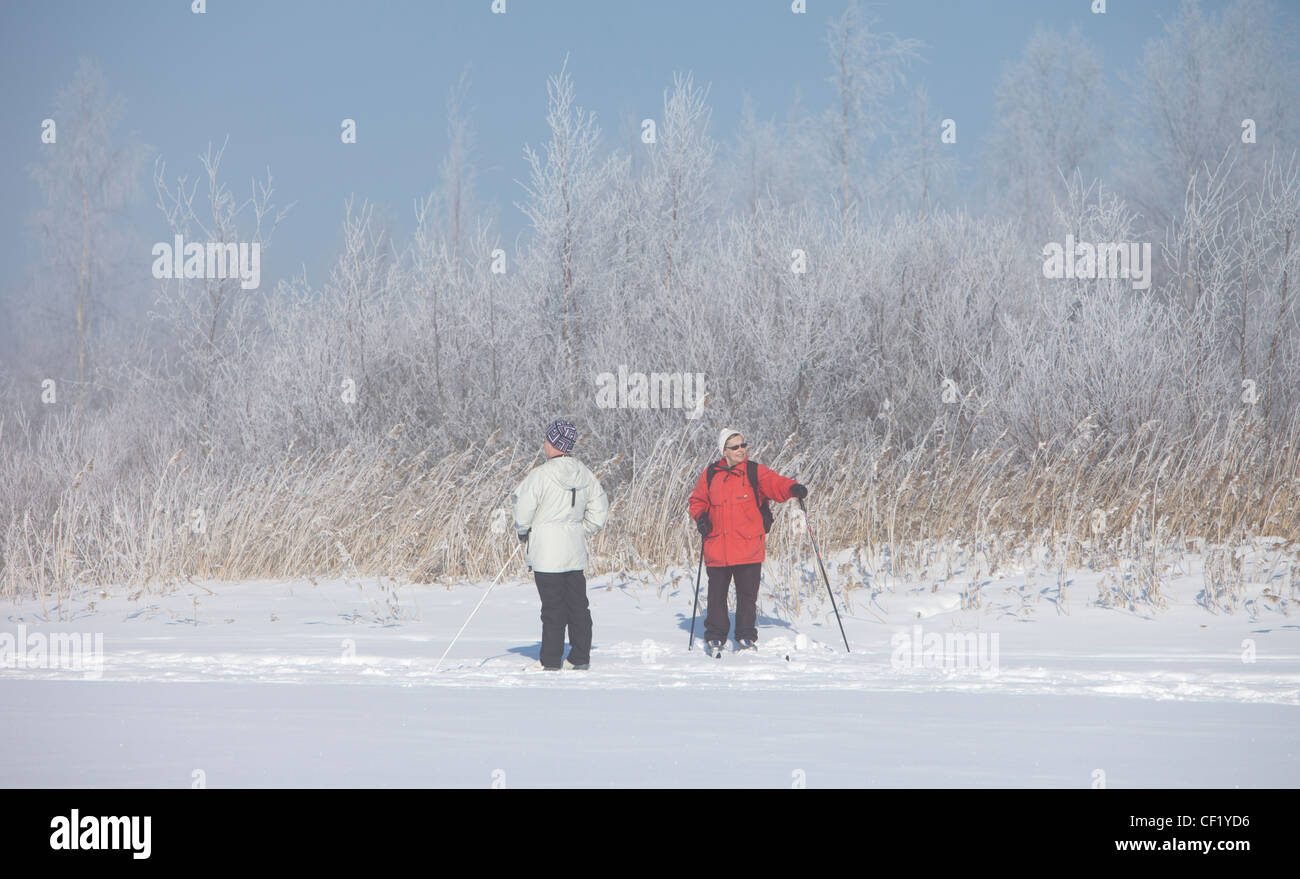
column 727, row 433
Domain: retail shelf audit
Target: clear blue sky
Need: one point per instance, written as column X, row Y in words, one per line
column 278, row 77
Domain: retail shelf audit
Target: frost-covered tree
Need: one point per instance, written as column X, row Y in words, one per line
column 1052, row 121
column 571, row 211
column 867, row 68
column 210, row 322
column 770, row 162
column 916, row 175
column 457, row 172
column 87, row 180
column 1193, row 91
column 752, row 159
column 677, row 185
column 1232, row 257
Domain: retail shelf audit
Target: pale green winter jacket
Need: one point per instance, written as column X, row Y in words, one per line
column 559, row 504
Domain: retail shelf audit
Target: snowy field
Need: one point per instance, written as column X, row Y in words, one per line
column 301, row 684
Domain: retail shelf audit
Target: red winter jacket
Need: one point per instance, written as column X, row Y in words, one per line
column 737, row 537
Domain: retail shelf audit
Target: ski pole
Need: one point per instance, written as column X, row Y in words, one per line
column 698, row 571
column 808, row 523
column 476, row 607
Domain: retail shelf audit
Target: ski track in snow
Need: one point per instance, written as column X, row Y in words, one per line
column 627, row 665
column 158, row 639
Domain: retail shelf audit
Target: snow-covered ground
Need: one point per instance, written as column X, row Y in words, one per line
column 334, row 684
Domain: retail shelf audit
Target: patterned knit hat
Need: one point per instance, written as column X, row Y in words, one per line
column 562, row 434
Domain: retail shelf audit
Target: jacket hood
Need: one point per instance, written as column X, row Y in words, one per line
column 566, row 472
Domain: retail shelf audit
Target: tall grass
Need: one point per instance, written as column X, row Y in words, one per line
column 1083, row 499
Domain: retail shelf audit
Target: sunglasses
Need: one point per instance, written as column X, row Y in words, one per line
column 739, row 446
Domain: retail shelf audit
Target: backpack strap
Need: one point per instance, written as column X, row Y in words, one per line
column 764, row 508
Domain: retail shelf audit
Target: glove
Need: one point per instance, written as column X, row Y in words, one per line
column 799, row 491
column 523, row 536
column 704, row 525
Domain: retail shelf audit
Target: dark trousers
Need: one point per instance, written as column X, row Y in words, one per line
column 564, row 603
column 716, row 623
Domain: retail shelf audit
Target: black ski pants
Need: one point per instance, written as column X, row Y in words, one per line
column 716, row 623
column 564, row 604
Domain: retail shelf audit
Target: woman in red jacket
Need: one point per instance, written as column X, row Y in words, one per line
column 730, row 506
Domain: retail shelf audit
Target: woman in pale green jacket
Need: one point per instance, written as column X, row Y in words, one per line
column 556, row 506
